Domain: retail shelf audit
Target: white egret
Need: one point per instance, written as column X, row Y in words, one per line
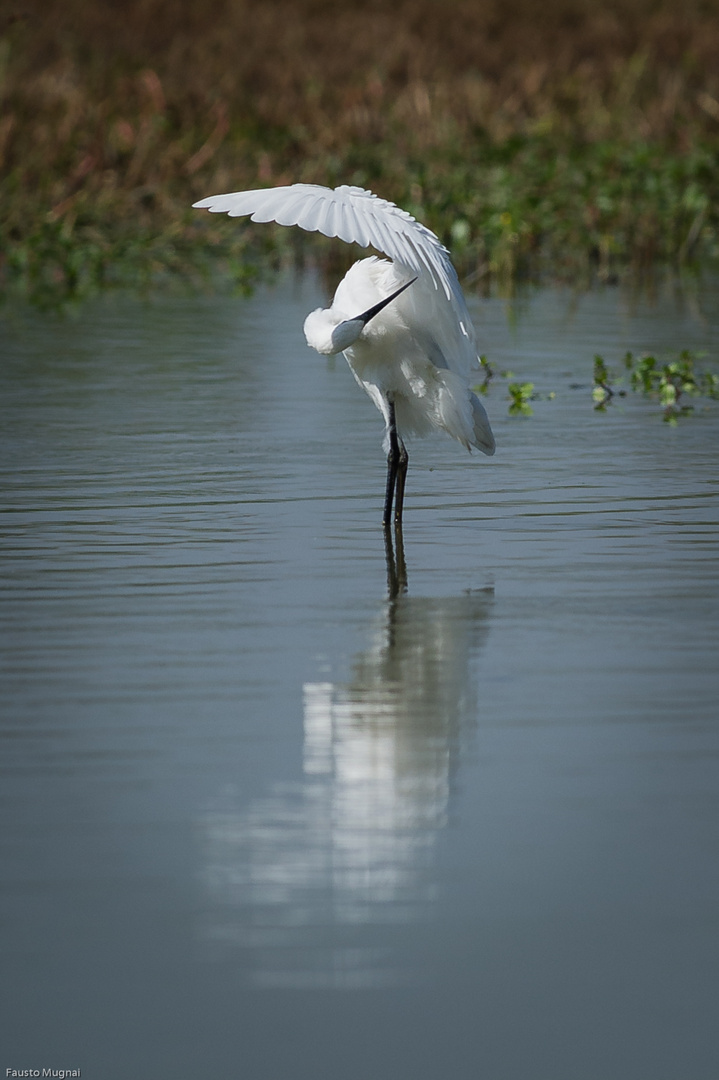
column 403, row 325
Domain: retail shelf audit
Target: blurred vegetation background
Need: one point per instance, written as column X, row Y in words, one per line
column 571, row 138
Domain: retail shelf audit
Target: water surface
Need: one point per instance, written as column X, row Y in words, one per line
column 267, row 814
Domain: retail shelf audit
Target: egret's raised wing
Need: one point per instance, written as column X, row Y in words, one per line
column 354, row 215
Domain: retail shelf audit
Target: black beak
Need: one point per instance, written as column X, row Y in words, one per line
column 371, row 312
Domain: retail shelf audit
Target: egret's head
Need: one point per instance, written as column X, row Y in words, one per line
column 328, row 333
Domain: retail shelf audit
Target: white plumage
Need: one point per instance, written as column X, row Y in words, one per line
column 403, row 325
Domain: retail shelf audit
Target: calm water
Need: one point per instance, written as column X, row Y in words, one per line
column 262, row 820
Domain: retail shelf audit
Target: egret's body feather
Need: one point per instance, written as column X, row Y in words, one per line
column 422, row 364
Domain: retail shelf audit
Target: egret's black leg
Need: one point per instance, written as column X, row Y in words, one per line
column 400, row 482
column 393, row 462
column 389, row 494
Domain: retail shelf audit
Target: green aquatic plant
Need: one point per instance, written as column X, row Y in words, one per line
column 604, row 390
column 670, row 382
column 520, row 395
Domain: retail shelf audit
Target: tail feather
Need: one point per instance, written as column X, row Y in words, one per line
column 483, row 436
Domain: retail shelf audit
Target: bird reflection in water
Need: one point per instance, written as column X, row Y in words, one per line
column 309, row 881
column 396, row 566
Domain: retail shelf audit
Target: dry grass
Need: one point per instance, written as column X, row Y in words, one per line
column 565, row 132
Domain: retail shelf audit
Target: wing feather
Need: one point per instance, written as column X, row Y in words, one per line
column 352, row 214
column 355, row 227
column 297, row 209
